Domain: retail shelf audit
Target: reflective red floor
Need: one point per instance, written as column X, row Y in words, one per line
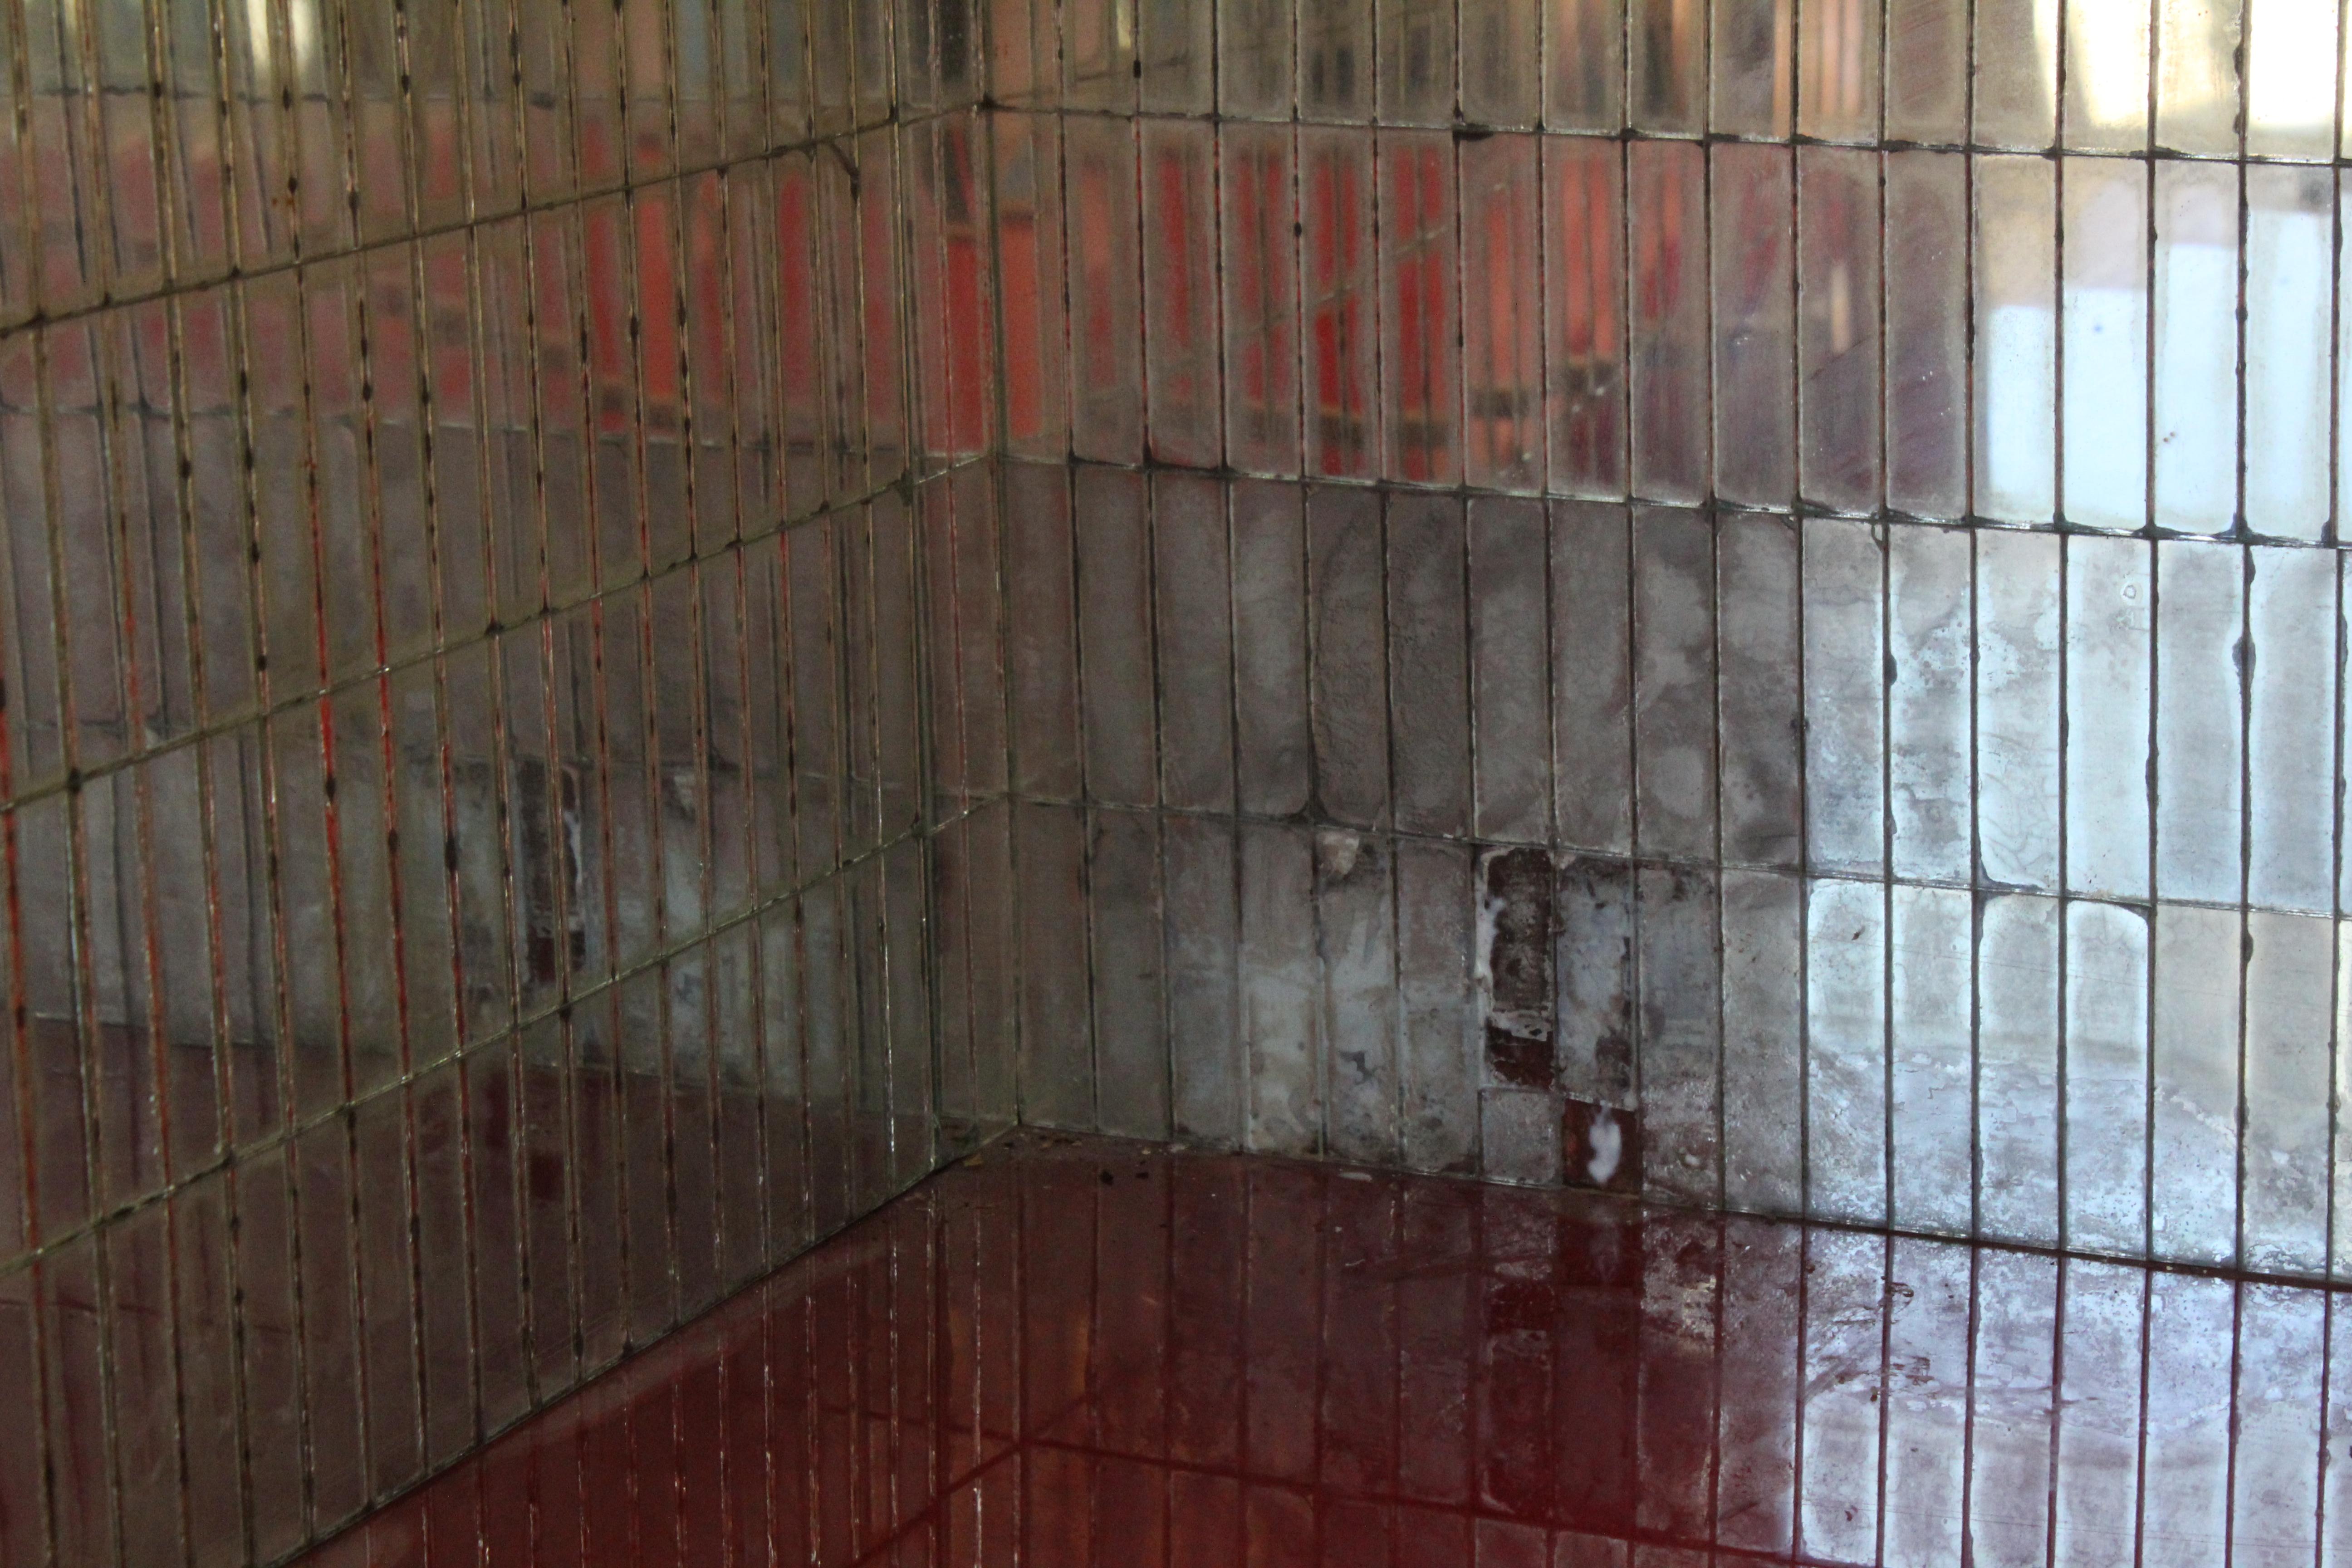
column 1073, row 1352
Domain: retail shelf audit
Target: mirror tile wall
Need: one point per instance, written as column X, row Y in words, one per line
column 1790, row 557
column 624, row 625
column 481, row 857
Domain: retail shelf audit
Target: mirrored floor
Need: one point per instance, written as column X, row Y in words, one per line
column 1073, row 1352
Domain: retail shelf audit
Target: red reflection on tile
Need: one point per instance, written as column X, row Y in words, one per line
column 1073, row 1352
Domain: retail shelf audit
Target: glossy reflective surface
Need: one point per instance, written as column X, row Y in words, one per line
column 1073, row 1352
column 1777, row 862
column 476, row 483
column 1784, row 560
column 623, row 626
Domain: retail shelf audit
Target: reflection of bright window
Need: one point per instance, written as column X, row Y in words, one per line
column 257, row 28
column 2113, row 391
column 2108, row 66
column 2287, row 283
column 301, row 32
column 2291, row 71
column 2196, row 347
column 2290, row 57
column 2014, row 349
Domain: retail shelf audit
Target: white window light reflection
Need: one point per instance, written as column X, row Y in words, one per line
column 2158, row 367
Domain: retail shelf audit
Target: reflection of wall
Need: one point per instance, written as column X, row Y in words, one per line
column 1470, row 834
column 1800, row 674
column 496, row 772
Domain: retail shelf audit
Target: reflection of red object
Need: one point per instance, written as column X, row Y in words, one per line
column 1587, row 281
column 1029, row 287
column 1094, row 248
column 1420, row 215
column 608, row 317
column 1022, row 305
column 1337, row 279
column 1501, row 306
column 1258, row 206
column 1173, row 173
column 884, row 332
column 967, row 315
column 706, row 271
column 796, row 325
column 1669, row 348
column 655, row 305
column 1586, row 339
column 1417, row 215
column 1658, row 263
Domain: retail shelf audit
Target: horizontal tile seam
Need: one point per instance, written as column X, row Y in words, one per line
column 1797, row 511
column 1639, row 861
column 1657, row 1204
column 1479, row 130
